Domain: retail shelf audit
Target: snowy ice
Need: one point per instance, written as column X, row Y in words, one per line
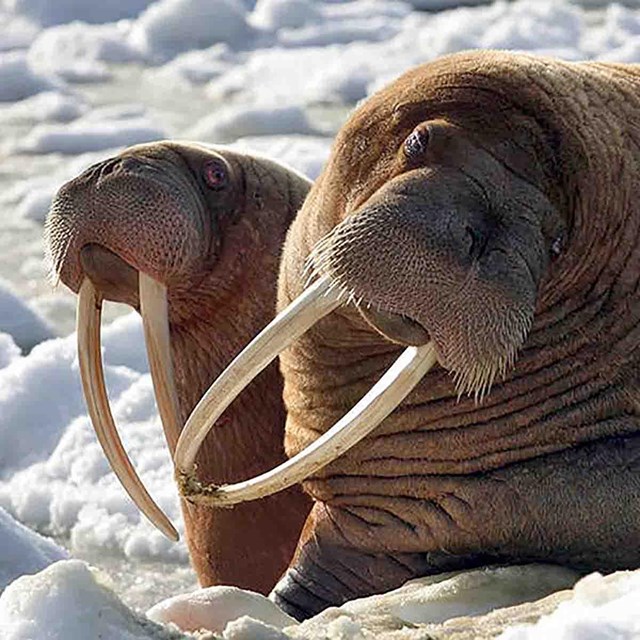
column 68, row 601
column 17, row 318
column 236, row 121
column 19, row 80
column 169, row 27
column 23, row 550
column 85, row 134
column 49, row 13
column 79, row 80
column 79, row 52
column 215, row 607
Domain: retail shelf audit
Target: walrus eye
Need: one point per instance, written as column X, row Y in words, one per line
column 215, row 175
column 557, row 246
column 416, row 144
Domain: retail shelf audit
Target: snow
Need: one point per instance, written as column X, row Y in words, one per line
column 307, row 154
column 284, row 14
column 23, row 550
column 55, row 476
column 47, row 13
column 18, row 79
column 16, row 32
column 169, row 27
column 32, row 197
column 215, row 607
column 69, row 600
column 19, row 320
column 9, row 350
column 79, row 80
column 49, row 106
column 91, row 133
column 601, row 608
column 236, row 121
column 198, row 67
column 79, row 52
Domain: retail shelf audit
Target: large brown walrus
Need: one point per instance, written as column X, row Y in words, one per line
column 478, row 217
column 204, row 230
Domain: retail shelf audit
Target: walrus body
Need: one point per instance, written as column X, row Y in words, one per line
column 488, row 202
column 209, row 224
column 484, row 204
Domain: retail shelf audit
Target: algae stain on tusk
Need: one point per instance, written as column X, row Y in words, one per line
column 95, row 393
column 314, row 303
column 155, row 319
column 364, row 417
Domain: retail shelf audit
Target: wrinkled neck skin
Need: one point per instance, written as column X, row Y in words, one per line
column 575, row 378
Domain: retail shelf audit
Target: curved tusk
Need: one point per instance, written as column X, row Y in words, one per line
column 155, row 319
column 95, row 393
column 363, row 418
column 314, row 303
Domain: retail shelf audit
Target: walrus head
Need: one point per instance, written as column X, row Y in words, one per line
column 439, row 217
column 451, row 248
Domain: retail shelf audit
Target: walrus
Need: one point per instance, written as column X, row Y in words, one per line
column 462, row 282
column 191, row 237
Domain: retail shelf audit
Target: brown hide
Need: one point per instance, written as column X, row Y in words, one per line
column 545, row 466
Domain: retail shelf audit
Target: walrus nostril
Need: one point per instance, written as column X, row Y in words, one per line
column 475, row 241
column 108, row 167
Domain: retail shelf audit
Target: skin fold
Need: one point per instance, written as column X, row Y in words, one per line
column 209, row 225
column 488, row 202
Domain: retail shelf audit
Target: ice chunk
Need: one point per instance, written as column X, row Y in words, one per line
column 67, row 601
column 86, row 135
column 23, row 551
column 18, row 319
column 18, row 80
column 214, row 607
column 48, row 106
column 233, row 122
column 198, row 67
column 601, row 608
column 9, row 350
column 306, row 154
column 284, row 14
column 169, row 27
column 78, row 52
column 47, row 13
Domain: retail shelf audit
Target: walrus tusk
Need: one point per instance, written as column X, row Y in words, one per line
column 364, row 417
column 155, row 319
column 312, row 305
column 296, row 319
column 95, row 393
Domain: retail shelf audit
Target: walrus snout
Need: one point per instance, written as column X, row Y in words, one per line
column 115, row 204
column 438, row 253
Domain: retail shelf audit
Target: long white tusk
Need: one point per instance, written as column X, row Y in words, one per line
column 296, row 319
column 363, row 418
column 95, row 393
column 316, row 302
column 155, row 319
